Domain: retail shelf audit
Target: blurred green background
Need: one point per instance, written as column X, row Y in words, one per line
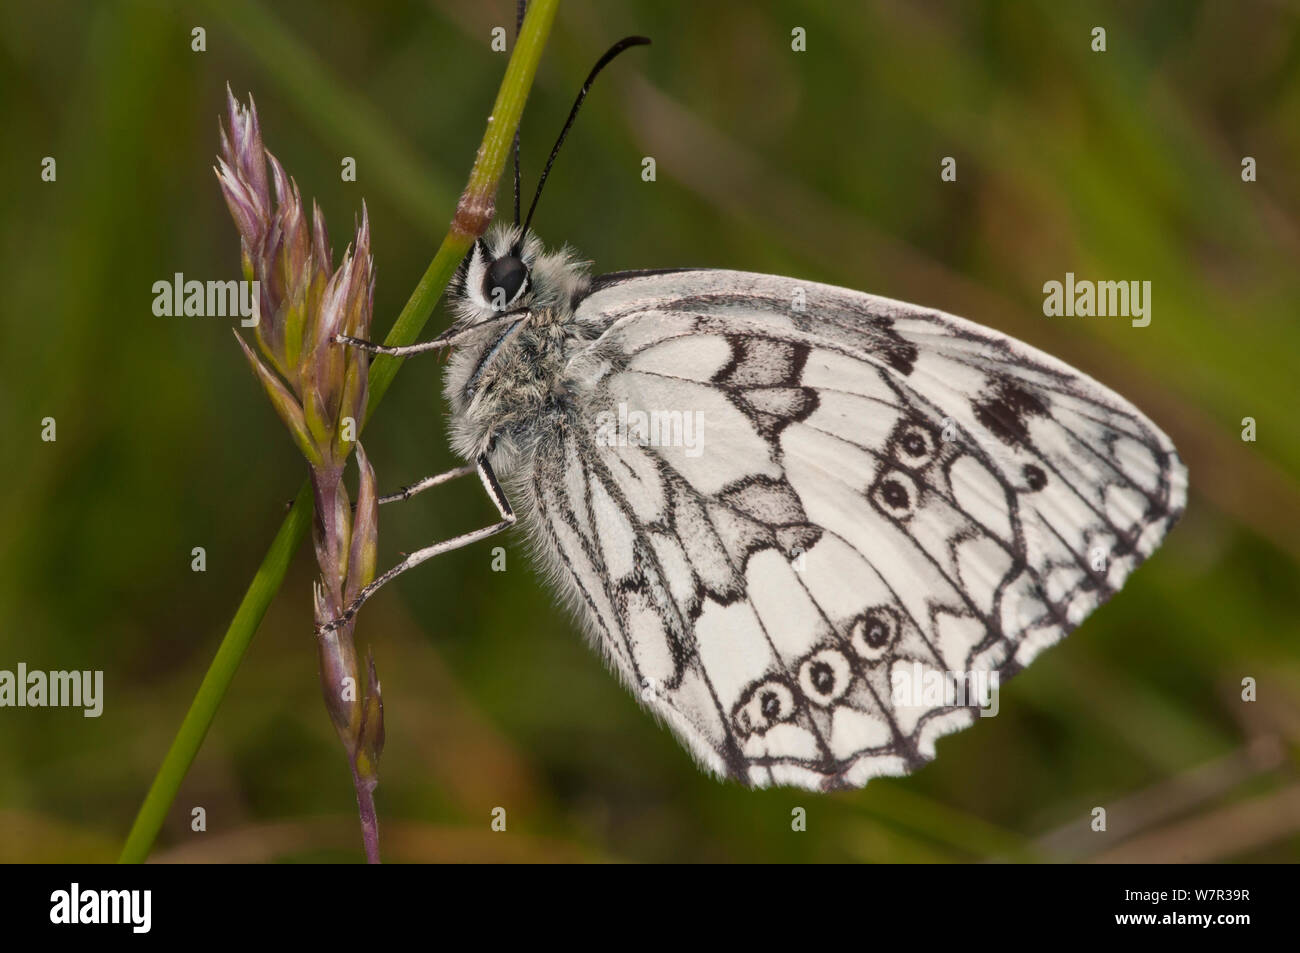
column 822, row 164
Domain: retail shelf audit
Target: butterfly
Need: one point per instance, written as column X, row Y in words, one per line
column 796, row 520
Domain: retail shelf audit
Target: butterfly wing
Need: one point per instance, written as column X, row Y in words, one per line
column 852, row 513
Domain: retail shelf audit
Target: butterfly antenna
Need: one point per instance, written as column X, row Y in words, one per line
column 613, row 51
column 520, row 7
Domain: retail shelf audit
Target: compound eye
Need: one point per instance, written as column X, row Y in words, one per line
column 504, row 281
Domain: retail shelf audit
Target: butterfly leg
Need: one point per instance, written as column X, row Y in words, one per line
column 406, row 492
column 419, row 486
column 493, row 487
column 443, row 340
column 446, row 339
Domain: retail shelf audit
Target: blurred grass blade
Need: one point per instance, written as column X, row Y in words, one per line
column 472, row 216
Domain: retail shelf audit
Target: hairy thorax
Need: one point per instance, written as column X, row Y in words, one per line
column 501, row 389
column 507, row 380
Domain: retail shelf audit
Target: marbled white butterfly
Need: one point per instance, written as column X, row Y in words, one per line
column 772, row 503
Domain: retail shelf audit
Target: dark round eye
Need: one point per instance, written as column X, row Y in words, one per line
column 504, row 279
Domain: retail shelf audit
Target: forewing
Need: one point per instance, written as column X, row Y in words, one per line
column 882, row 509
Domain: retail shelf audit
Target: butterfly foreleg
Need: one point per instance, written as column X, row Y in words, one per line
column 449, row 338
column 498, row 496
column 437, row 344
column 406, row 492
